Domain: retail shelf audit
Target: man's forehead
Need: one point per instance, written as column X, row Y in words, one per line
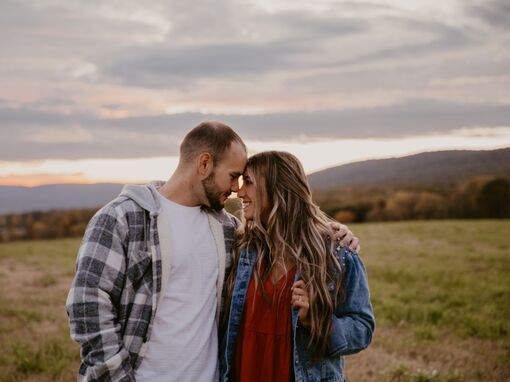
column 235, row 159
column 235, row 167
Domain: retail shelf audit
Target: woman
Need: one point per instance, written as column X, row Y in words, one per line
column 297, row 302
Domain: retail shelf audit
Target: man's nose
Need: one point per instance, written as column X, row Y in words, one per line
column 240, row 192
column 234, row 187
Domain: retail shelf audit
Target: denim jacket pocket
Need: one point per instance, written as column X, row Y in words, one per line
column 326, row 370
column 331, row 369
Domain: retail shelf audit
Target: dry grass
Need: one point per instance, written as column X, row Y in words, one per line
column 441, row 293
column 35, row 278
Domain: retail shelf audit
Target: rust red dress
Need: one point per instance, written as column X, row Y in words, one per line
column 263, row 349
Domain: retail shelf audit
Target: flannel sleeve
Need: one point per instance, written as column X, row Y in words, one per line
column 93, row 298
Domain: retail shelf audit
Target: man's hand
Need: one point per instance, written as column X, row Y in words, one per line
column 343, row 234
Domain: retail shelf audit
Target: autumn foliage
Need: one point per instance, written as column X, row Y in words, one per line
column 480, row 197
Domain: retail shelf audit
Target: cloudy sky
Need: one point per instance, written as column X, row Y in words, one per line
column 105, row 90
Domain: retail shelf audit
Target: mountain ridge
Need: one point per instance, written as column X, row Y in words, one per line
column 427, row 168
column 423, row 169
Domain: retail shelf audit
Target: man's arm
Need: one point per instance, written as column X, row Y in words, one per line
column 95, row 292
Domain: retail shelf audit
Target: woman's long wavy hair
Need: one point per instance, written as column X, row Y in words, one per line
column 295, row 232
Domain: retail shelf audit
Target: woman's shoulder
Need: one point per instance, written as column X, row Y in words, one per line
column 347, row 258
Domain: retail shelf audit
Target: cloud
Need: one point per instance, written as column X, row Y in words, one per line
column 263, row 44
column 495, row 13
column 36, row 179
column 411, row 118
column 164, row 66
column 88, row 80
column 30, row 135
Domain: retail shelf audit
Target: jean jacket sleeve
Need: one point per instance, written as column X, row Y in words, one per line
column 353, row 321
column 92, row 299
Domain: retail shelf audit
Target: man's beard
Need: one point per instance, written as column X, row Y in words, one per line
column 212, row 194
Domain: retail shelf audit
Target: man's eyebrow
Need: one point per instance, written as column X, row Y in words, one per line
column 236, row 174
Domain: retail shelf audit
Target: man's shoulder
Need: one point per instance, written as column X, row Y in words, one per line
column 227, row 219
column 234, row 220
column 120, row 210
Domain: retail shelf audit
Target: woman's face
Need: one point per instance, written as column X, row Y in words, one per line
column 248, row 193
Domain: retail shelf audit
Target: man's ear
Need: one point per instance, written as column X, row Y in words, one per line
column 205, row 165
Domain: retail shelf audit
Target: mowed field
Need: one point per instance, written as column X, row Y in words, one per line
column 440, row 289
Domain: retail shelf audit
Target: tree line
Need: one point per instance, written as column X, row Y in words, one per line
column 475, row 198
column 44, row 225
column 480, row 197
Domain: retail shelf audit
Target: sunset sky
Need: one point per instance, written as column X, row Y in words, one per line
column 104, row 91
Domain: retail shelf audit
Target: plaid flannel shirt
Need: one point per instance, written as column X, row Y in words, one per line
column 114, row 295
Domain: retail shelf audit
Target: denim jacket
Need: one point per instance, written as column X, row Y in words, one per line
column 353, row 322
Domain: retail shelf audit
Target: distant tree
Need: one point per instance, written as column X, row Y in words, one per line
column 463, row 201
column 378, row 211
column 401, row 205
column 345, row 216
column 493, row 199
column 40, row 230
column 77, row 229
column 430, row 206
column 481, row 197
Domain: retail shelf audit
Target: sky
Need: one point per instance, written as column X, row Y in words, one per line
column 104, row 91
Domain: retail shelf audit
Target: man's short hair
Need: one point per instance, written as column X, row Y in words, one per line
column 210, row 136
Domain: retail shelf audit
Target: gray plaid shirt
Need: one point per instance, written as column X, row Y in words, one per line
column 114, row 295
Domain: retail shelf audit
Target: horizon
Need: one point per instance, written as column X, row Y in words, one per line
column 143, row 181
column 331, row 82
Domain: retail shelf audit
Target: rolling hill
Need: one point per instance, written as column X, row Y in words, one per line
column 56, row 196
column 420, row 169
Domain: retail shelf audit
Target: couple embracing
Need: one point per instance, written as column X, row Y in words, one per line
column 171, row 287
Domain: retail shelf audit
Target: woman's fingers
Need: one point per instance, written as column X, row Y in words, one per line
column 299, row 292
column 299, row 300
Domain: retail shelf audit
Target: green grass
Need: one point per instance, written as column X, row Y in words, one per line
column 35, row 276
column 441, row 275
column 440, row 290
column 50, row 357
column 402, row 373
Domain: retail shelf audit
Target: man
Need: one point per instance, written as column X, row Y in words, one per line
column 146, row 297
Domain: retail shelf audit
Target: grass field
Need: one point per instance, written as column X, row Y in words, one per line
column 440, row 289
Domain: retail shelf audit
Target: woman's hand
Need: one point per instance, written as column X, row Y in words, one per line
column 300, row 300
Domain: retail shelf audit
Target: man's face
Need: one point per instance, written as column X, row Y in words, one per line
column 225, row 177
